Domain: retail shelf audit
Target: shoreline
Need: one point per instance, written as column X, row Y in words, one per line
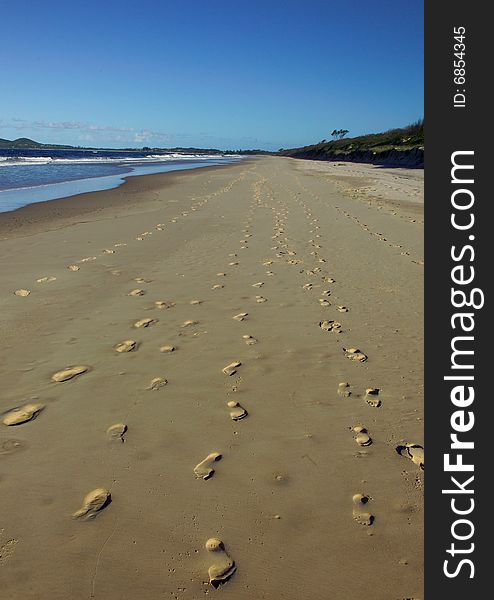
column 31, row 216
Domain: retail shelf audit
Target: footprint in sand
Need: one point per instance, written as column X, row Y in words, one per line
column 195, row 302
column 414, row 452
column 355, row 354
column 142, row 280
column 240, row 316
column 330, row 326
column 126, row 346
column 259, row 284
column 261, row 299
column 73, row 268
column 22, row 414
column 342, row 309
column 167, row 349
column 22, row 293
column 145, row 322
column 220, row 274
column 116, row 432
column 344, row 389
column 87, row 259
column 161, row 304
column 204, row 470
column 223, row 566
column 359, row 513
column 231, row 369
column 249, row 340
column 69, row 373
column 362, row 438
column 157, row 383
column 136, row 292
column 93, row 503
column 237, row 412
column 107, row 251
column 189, row 323
column 46, row 279
column 324, row 302
column 371, row 397
column 217, row 286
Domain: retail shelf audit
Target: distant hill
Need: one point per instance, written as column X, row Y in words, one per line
column 26, row 143
column 404, row 146
column 23, row 143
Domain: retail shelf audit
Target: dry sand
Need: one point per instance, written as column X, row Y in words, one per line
column 239, row 428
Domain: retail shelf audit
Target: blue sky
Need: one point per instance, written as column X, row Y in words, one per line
column 208, row 73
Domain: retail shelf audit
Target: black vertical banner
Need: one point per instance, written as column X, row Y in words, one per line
column 459, row 238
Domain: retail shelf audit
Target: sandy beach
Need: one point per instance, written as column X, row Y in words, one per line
column 254, row 332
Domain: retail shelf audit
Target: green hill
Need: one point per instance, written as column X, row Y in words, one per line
column 404, row 146
column 23, row 143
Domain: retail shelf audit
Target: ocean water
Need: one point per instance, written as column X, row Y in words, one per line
column 28, row 176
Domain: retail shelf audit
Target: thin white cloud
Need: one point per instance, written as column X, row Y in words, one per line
column 96, row 133
column 138, row 134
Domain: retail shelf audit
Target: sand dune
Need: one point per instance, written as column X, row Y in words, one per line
column 320, row 407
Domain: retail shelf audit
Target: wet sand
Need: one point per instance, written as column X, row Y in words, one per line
column 228, row 322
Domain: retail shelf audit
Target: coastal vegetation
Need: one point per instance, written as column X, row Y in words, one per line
column 396, row 146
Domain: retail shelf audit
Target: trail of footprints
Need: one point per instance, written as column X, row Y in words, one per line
column 284, row 250
column 198, row 203
column 222, row 566
column 379, row 236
